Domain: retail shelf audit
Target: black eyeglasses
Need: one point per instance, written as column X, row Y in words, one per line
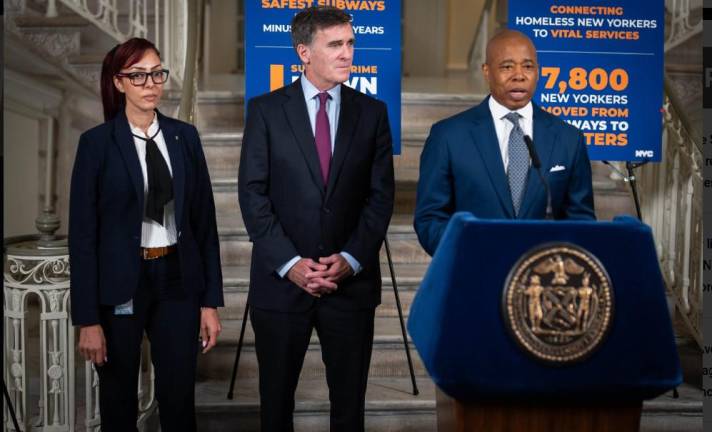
column 140, row 78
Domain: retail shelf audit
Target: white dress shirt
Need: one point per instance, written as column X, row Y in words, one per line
column 154, row 234
column 333, row 107
column 504, row 127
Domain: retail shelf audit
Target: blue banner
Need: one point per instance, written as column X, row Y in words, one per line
column 271, row 62
column 601, row 69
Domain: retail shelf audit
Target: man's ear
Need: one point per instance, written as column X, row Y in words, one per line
column 304, row 53
column 119, row 85
column 485, row 71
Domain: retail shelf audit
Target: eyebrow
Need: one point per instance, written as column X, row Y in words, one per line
column 341, row 41
column 512, row 61
column 144, row 68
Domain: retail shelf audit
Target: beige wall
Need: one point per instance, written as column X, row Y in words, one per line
column 438, row 35
column 463, row 16
column 21, row 137
column 66, row 151
column 30, row 106
column 424, row 37
column 222, row 36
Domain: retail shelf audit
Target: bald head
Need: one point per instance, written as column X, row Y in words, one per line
column 507, row 37
column 511, row 69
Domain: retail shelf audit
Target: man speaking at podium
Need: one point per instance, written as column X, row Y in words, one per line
column 497, row 159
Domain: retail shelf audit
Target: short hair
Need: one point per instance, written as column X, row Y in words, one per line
column 306, row 23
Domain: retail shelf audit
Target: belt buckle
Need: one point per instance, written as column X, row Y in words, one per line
column 145, row 254
column 158, row 252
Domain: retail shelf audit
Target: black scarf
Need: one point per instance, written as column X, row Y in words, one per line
column 160, row 183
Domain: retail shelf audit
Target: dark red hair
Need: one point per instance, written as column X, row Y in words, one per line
column 120, row 57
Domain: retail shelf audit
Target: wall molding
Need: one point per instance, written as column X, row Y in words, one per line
column 30, row 97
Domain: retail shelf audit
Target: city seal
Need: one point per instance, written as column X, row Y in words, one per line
column 558, row 303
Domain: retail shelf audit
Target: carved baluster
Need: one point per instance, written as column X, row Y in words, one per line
column 51, row 9
column 48, row 278
column 674, row 207
column 92, row 418
column 15, row 342
column 680, row 27
column 108, row 16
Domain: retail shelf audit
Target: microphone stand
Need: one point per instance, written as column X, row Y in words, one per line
column 631, row 179
column 549, row 210
column 536, row 163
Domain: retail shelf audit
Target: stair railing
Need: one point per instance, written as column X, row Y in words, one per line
column 483, row 32
column 167, row 28
column 680, row 28
column 193, row 60
column 671, row 202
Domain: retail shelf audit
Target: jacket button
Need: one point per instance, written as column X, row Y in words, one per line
column 326, row 210
column 321, row 247
column 179, row 233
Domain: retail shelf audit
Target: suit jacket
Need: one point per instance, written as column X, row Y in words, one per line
column 288, row 211
column 461, row 169
column 106, row 211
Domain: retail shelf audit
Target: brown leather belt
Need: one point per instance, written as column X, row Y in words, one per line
column 157, row 252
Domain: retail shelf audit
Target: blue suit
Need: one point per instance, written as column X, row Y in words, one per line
column 461, row 169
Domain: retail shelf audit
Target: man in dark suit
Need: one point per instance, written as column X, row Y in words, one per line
column 477, row 161
column 316, row 193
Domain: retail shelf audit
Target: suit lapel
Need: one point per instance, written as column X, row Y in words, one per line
column 544, row 138
column 348, row 120
column 124, row 140
column 174, row 143
column 298, row 118
column 485, row 137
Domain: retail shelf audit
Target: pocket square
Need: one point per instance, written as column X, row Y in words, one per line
column 557, row 168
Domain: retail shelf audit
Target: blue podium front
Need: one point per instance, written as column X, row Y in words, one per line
column 459, row 324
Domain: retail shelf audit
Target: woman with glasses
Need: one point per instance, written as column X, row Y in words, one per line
column 143, row 244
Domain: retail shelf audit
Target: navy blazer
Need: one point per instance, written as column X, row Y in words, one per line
column 106, row 211
column 288, row 211
column 461, row 169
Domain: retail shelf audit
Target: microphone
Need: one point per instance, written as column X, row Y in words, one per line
column 536, row 163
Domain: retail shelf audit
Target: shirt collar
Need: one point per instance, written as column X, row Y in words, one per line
column 499, row 111
column 152, row 128
column 310, row 91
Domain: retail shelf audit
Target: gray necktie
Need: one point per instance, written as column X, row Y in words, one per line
column 518, row 161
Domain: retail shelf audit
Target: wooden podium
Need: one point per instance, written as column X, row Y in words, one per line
column 455, row 416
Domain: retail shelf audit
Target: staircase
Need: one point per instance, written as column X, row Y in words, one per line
column 68, row 43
